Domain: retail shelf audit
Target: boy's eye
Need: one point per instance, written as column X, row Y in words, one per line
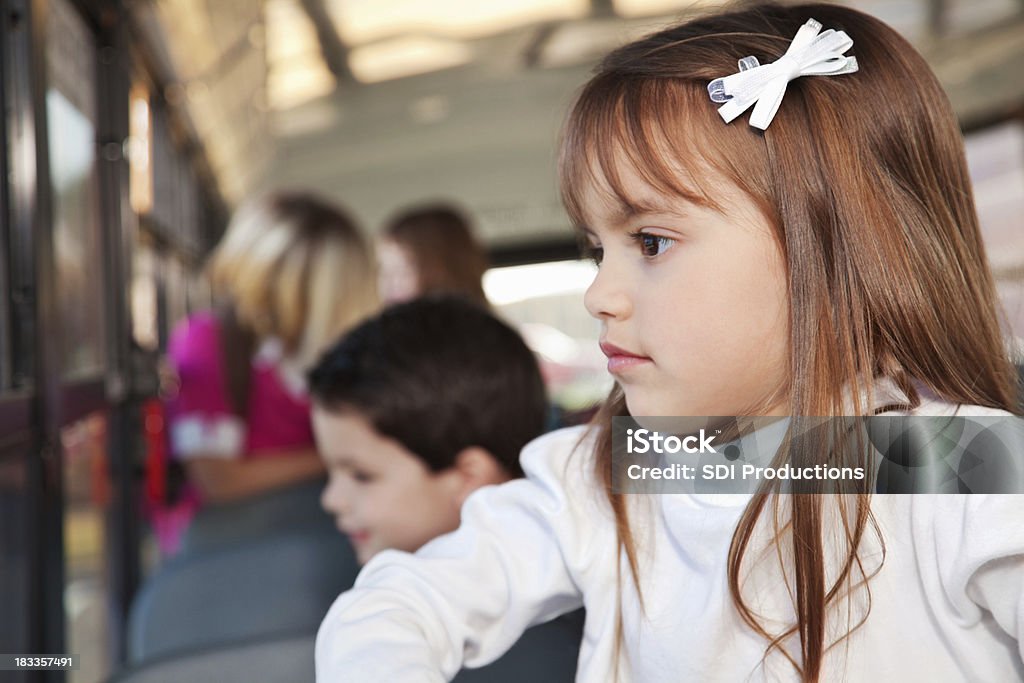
column 653, row 245
column 362, row 477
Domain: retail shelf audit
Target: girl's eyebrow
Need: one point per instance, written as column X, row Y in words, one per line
column 631, row 208
column 628, row 209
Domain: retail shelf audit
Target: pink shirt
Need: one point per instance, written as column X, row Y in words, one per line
column 200, row 417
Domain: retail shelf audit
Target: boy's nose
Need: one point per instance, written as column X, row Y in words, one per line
column 333, row 498
column 606, row 298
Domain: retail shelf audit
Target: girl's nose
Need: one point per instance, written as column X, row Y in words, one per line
column 607, row 298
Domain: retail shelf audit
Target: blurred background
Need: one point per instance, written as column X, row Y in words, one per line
column 134, row 128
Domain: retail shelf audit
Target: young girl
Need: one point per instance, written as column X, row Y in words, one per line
column 825, row 261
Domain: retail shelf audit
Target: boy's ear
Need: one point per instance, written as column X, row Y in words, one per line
column 476, row 467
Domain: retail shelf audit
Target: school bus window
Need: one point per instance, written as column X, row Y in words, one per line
column 71, row 118
column 143, row 297
column 140, row 148
column 176, row 290
column 545, row 302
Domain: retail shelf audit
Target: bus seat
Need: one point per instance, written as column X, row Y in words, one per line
column 286, row 659
column 546, row 653
column 287, row 509
column 279, row 584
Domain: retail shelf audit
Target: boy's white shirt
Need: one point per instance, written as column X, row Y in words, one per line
column 947, row 604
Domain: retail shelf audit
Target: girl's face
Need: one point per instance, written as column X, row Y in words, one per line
column 398, row 280
column 692, row 302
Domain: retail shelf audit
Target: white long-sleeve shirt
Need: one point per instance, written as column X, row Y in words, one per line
column 946, row 605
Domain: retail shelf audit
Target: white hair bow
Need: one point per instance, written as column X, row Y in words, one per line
column 810, row 54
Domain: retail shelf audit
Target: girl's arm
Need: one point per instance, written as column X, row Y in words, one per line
column 465, row 598
column 982, row 537
column 999, row 587
column 222, row 480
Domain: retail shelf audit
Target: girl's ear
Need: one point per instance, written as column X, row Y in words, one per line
column 476, row 467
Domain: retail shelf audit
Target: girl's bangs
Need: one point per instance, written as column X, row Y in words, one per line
column 665, row 131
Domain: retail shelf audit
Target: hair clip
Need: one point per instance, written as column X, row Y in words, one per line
column 810, row 54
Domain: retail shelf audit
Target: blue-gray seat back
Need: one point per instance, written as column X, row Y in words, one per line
column 279, row 584
column 291, row 508
column 279, row 660
column 546, row 653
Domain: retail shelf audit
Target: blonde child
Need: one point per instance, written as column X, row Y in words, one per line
column 821, row 259
column 293, row 273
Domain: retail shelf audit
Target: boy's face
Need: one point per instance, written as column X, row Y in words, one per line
column 380, row 494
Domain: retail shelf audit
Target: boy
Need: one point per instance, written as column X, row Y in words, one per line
column 414, row 410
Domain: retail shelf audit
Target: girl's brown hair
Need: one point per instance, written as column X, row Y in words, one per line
column 864, row 180
column 447, row 256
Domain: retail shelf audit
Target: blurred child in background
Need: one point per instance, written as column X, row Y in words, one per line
column 294, row 273
column 428, row 250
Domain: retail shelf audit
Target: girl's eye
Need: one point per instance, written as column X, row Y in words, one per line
column 652, row 245
column 595, row 254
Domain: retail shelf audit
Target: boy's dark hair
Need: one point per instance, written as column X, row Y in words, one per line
column 438, row 375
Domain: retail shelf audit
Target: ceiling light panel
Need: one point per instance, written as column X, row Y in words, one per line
column 289, row 33
column 406, row 57
column 647, row 8
column 296, row 72
column 362, row 21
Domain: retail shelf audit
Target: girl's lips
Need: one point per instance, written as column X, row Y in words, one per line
column 619, row 364
column 620, row 360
